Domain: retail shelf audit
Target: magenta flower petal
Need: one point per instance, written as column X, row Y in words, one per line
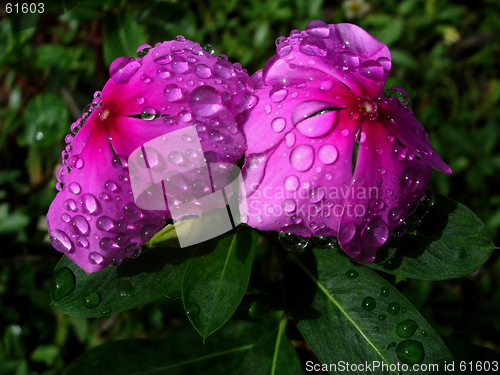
column 343, row 51
column 94, row 219
column 328, row 154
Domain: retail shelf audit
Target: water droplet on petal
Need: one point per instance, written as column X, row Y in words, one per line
column 223, row 69
column 162, row 72
column 95, row 258
column 278, row 94
column 82, row 242
column 179, row 64
column 74, row 188
column 318, row 28
column 278, row 124
column 148, row 113
column 288, row 205
column 205, row 101
column 316, row 194
column 313, row 46
column 407, row 179
column 88, row 204
column 302, row 157
column 398, row 152
column 326, row 85
column 105, row 223
column 371, row 69
column 172, row 93
column 175, row 157
column 161, row 55
column 379, row 204
column 131, row 212
column 111, row 186
column 348, row 60
column 345, row 132
column 291, row 183
column 375, row 233
column 290, row 139
column 122, row 69
column 325, row 239
column 61, row 242
column 327, row 154
column 294, row 237
column 202, row 71
column 78, row 225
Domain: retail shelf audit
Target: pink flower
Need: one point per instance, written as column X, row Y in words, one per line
column 328, row 153
column 94, row 219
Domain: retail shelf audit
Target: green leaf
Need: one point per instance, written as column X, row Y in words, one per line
column 182, row 353
column 274, row 354
column 215, row 280
column 346, row 312
column 45, row 119
column 155, row 274
column 122, row 36
column 453, row 243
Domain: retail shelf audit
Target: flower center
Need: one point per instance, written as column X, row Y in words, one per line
column 365, row 107
column 103, row 114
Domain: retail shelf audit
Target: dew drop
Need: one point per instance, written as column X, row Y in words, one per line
column 406, row 328
column 313, row 46
column 290, row 139
column 316, row 194
column 125, row 288
column 202, row 71
column 161, row 55
column 192, row 310
column 278, row 94
column 111, row 186
column 69, row 205
column 375, row 233
column 368, row 303
column 294, row 242
column 148, row 113
column 205, row 101
column 63, row 283
column 288, row 205
column 278, row 124
column 172, row 93
column 175, row 157
column 393, row 308
column 291, row 183
column 61, row 242
column 105, row 223
column 382, row 317
column 78, row 225
column 352, row 274
column 82, row 242
column 410, row 352
column 371, row 69
column 385, row 291
column 345, row 132
column 65, row 217
column 302, row 157
column 327, row 154
column 92, row 299
column 74, row 188
column 325, row 239
column 95, row 258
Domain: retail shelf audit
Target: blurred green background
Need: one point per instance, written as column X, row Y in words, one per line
column 446, row 54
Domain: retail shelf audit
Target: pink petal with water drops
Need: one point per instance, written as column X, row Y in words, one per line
column 94, row 220
column 407, row 130
column 344, row 51
column 172, row 86
column 302, row 182
column 386, row 184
